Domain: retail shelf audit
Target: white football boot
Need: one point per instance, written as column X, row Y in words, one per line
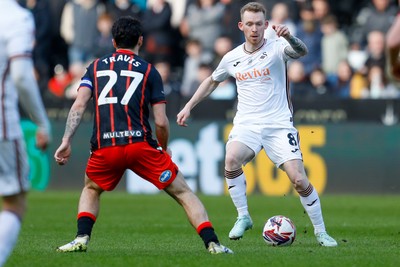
column 325, row 240
column 216, row 248
column 79, row 244
column 242, row 224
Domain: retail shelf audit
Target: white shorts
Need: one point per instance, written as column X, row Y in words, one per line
column 14, row 168
column 280, row 144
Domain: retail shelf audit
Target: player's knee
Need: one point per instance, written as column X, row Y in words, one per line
column 299, row 181
column 232, row 162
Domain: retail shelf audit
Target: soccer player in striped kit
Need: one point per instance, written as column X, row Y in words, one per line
column 123, row 86
column 264, row 118
column 17, row 82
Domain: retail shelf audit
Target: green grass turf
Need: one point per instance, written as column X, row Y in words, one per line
column 152, row 230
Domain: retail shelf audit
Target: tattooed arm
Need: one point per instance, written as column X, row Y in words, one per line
column 76, row 112
column 63, row 152
column 297, row 48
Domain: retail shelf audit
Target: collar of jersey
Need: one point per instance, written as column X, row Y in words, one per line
column 125, row 51
column 248, row 52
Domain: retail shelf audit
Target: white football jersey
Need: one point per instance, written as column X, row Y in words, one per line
column 16, row 40
column 262, row 83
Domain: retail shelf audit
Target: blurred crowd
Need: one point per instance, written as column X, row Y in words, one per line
column 185, row 39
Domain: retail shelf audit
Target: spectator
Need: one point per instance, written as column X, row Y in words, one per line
column 376, row 17
column 59, row 48
column 319, row 83
column 230, row 20
column 334, row 45
column 79, row 28
column 194, row 57
column 308, row 30
column 171, row 88
column 341, row 81
column 76, row 70
column 300, row 86
column 378, row 86
column 204, row 71
column 345, row 11
column 321, row 9
column 375, row 51
column 358, row 86
column 120, row 8
column 178, row 11
column 221, row 46
column 292, row 7
column 41, row 56
column 104, row 39
column 159, row 36
column 203, row 21
column 59, row 82
column 279, row 15
column 140, row 3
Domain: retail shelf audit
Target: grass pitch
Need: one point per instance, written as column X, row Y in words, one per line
column 152, row 230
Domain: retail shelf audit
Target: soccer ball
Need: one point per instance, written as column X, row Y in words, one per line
column 279, row 231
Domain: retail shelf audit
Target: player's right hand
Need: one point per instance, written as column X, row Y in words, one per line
column 281, row 30
column 182, row 117
column 42, row 140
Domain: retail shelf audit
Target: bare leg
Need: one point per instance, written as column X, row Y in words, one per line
column 88, row 209
column 90, row 198
column 296, row 173
column 192, row 205
column 196, row 213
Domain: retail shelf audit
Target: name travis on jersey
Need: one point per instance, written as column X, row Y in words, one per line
column 126, row 58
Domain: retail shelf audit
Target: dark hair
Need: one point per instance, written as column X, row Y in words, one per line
column 126, row 32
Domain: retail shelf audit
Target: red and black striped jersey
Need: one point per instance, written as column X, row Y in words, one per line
column 123, row 86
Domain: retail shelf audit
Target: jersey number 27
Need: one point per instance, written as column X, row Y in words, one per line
column 113, row 76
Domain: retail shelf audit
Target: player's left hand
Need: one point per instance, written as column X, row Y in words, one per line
column 281, row 30
column 63, row 153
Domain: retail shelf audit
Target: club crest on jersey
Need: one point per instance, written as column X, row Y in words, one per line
column 263, row 56
column 165, row 176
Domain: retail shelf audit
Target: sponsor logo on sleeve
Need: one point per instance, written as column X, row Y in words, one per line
column 165, row 176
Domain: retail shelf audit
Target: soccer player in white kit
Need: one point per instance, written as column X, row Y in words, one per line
column 264, row 117
column 17, row 83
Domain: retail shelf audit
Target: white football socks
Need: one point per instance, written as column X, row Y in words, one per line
column 237, row 190
column 312, row 205
column 10, row 226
